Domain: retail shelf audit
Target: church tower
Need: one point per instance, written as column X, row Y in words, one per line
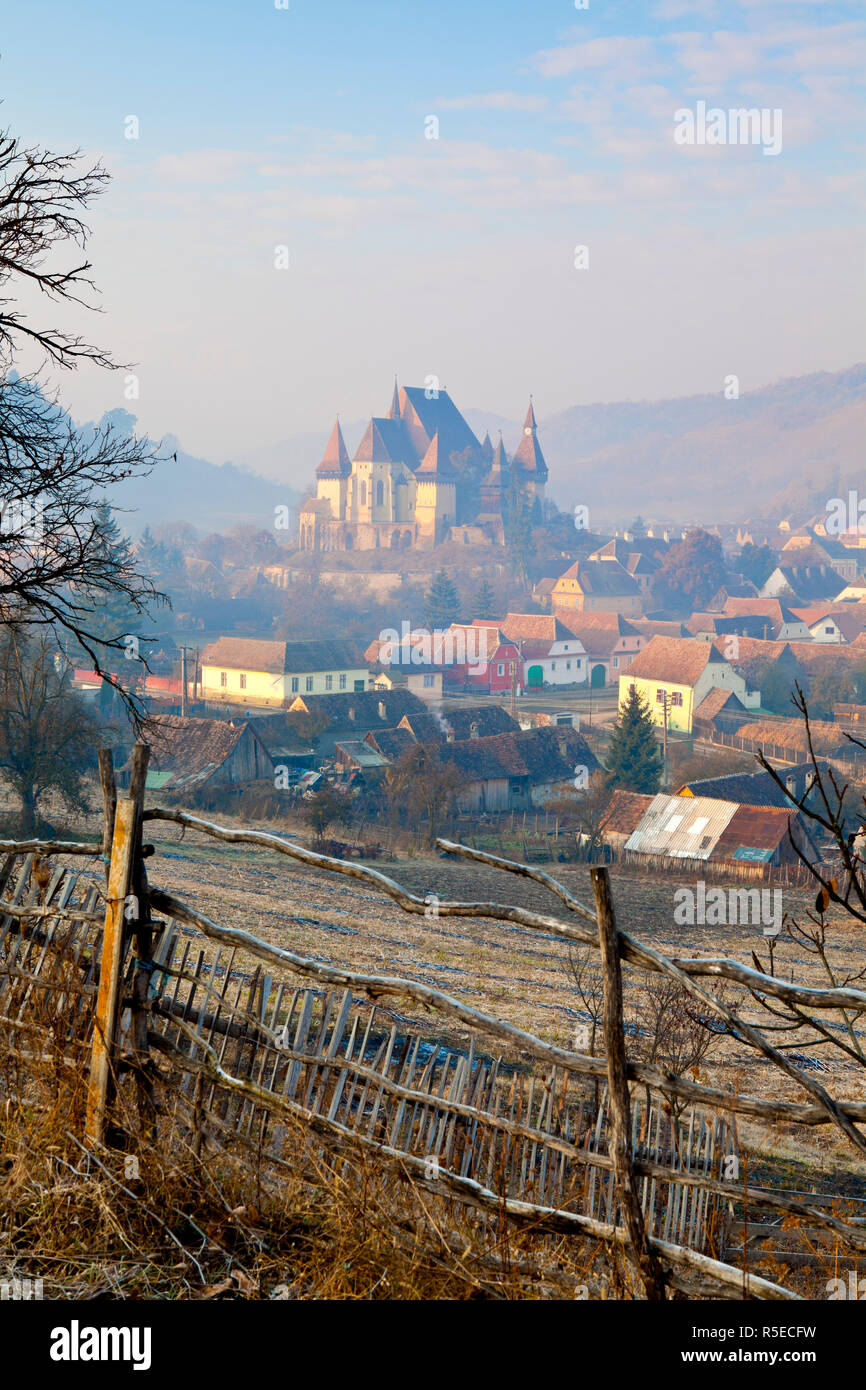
column 436, row 494
column 333, row 473
column 528, row 462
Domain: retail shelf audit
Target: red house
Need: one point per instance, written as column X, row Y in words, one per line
column 478, row 658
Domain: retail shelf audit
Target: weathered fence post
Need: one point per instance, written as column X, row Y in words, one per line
column 617, row 1086
column 127, row 884
column 109, row 799
column 142, row 943
column 105, row 1023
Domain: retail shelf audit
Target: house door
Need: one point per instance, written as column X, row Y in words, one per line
column 536, row 677
column 597, row 677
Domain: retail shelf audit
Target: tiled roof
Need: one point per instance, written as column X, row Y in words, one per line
column 335, row 460
column 435, row 463
column 426, row 415
column 625, row 812
column 188, row 751
column 391, row 742
column 599, row 577
column 756, row 788
column 716, row 701
column 539, row 627
column 827, row 738
column 678, row 660
column 490, row 719
column 543, row 754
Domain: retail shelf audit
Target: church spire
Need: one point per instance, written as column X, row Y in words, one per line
column 394, row 412
column 528, row 457
column 335, row 460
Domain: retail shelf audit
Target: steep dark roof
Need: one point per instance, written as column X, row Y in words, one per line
column 391, row 742
column 367, row 709
column 335, row 460
column 528, row 457
column 426, row 416
column 435, row 463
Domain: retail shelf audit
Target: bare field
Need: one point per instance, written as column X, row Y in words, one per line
column 512, row 972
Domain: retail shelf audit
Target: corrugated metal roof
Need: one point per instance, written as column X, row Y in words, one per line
column 682, row 827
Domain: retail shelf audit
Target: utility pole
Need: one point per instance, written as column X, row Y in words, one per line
column 665, row 737
column 184, row 681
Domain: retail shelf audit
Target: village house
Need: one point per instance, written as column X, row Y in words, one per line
column 798, row 584
column 782, row 624
column 479, row 658
column 590, row 586
column 665, row 829
column 420, row 680
column 674, row 675
column 611, row 643
column 832, row 625
column 823, row 548
column 639, row 558
column 758, row 788
column 248, row 671
column 190, row 754
column 551, row 654
column 336, row 718
column 518, row 771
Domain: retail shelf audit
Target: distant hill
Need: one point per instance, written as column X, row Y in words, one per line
column 794, row 443
column 789, row 445
column 210, row 496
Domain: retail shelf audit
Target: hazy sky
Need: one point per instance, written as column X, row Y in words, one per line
column 262, row 127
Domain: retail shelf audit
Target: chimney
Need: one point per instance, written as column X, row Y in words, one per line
column 563, row 746
column 382, row 711
column 449, row 737
column 352, row 713
column 791, row 786
column 473, row 729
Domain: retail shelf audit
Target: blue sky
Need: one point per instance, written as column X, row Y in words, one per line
column 305, row 127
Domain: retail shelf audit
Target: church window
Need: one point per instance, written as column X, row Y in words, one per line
column 380, row 494
column 363, row 494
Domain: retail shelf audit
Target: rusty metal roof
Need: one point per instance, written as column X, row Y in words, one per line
column 682, row 827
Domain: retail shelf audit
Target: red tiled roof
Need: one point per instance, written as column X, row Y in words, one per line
column 679, row 660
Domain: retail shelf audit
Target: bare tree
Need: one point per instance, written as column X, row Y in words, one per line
column 46, row 733
column 54, row 567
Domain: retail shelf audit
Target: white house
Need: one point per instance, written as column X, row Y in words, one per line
column 247, row 671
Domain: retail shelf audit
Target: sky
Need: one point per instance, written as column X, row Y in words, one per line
column 282, row 236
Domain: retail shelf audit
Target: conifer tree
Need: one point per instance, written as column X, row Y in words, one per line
column 441, row 604
column 634, row 759
column 484, row 603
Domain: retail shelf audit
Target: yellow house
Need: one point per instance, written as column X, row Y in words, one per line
column 248, row 671
column 593, row 586
column 674, row 674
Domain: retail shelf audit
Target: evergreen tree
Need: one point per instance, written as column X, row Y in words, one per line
column 441, row 604
column 484, row 603
column 518, row 531
column 634, row 759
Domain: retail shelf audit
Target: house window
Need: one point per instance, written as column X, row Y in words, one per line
column 243, row 680
column 500, row 670
column 428, row 682
column 568, row 665
column 342, row 682
column 224, row 680
column 308, row 682
column 660, row 697
column 329, row 682
column 677, row 697
column 616, row 663
column 294, row 685
column 553, row 665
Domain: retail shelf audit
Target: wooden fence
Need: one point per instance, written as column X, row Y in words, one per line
column 599, row 1147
